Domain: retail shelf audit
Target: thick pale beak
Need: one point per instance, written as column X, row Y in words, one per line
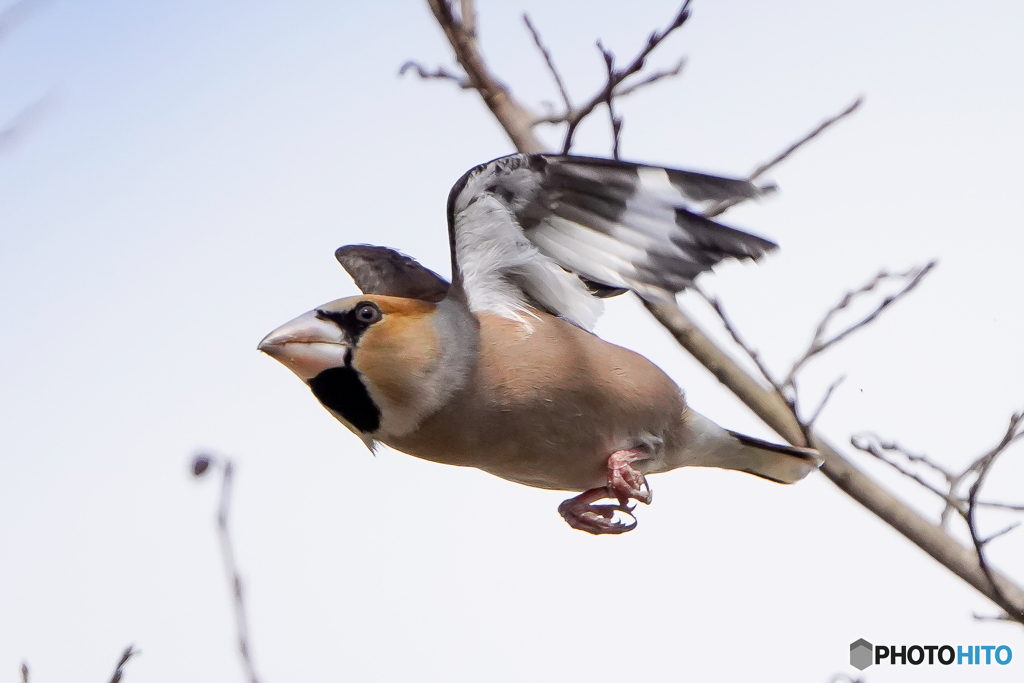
column 307, row 345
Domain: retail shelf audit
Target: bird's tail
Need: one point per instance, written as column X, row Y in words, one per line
column 712, row 446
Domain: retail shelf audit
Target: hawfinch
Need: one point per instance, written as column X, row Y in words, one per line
column 499, row 369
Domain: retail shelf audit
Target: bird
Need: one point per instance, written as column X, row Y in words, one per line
column 499, row 369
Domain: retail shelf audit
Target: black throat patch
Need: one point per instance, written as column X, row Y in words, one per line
column 341, row 390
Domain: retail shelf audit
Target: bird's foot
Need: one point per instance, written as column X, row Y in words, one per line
column 624, row 484
column 581, row 513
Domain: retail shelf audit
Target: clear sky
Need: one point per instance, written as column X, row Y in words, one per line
column 181, row 196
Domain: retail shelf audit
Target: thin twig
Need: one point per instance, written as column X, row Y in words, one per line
column 574, row 117
column 1000, row 506
column 820, row 343
column 619, row 92
column 562, row 90
column 821, row 406
column 879, row 448
column 616, row 121
column 721, row 207
column 440, row 73
column 1011, row 436
column 652, row 78
column 893, row 447
column 821, row 128
column 988, row 539
column 751, row 352
column 128, row 653
column 200, row 465
column 965, row 507
column 979, row 548
column 787, row 388
column 953, row 502
column 864, row 443
column 984, row 466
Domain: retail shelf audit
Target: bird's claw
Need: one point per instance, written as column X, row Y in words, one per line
column 624, row 484
column 580, row 513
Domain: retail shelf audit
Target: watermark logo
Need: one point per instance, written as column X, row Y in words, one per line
column 863, row 654
column 860, row 654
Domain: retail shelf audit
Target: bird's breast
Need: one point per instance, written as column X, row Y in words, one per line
column 546, row 404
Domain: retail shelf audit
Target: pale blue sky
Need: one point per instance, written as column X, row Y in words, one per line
column 183, row 194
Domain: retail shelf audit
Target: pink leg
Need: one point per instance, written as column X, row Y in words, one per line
column 624, row 484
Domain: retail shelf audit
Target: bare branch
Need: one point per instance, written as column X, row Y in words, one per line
column 787, row 388
column 894, row 447
column 821, row 406
column 514, row 118
column 983, row 466
column 439, row 73
column 574, row 117
column 772, row 408
column 822, row 127
column 820, row 343
column 467, row 17
column 966, row 507
column 616, row 121
column 870, row 444
column 562, row 90
column 1006, row 530
column 652, row 78
column 619, row 92
column 200, row 465
column 875, row 446
column 766, row 403
column 751, row 352
column 1015, row 612
column 1014, row 432
column 1000, row 506
column 722, row 207
column 128, row 653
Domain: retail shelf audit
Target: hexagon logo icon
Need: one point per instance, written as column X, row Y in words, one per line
column 861, row 652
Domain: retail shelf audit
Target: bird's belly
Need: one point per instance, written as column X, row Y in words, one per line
column 539, row 446
column 546, row 406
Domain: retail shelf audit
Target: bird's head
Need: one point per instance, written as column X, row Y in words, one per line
column 369, row 359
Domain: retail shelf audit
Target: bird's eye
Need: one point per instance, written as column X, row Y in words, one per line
column 367, row 313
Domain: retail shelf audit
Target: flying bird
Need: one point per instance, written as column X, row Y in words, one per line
column 499, row 369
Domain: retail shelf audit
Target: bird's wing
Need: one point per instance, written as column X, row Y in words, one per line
column 518, row 223
column 379, row 270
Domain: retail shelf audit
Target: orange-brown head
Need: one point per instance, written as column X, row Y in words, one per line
column 374, row 361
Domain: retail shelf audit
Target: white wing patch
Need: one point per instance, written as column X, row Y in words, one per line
column 501, row 268
column 521, row 223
